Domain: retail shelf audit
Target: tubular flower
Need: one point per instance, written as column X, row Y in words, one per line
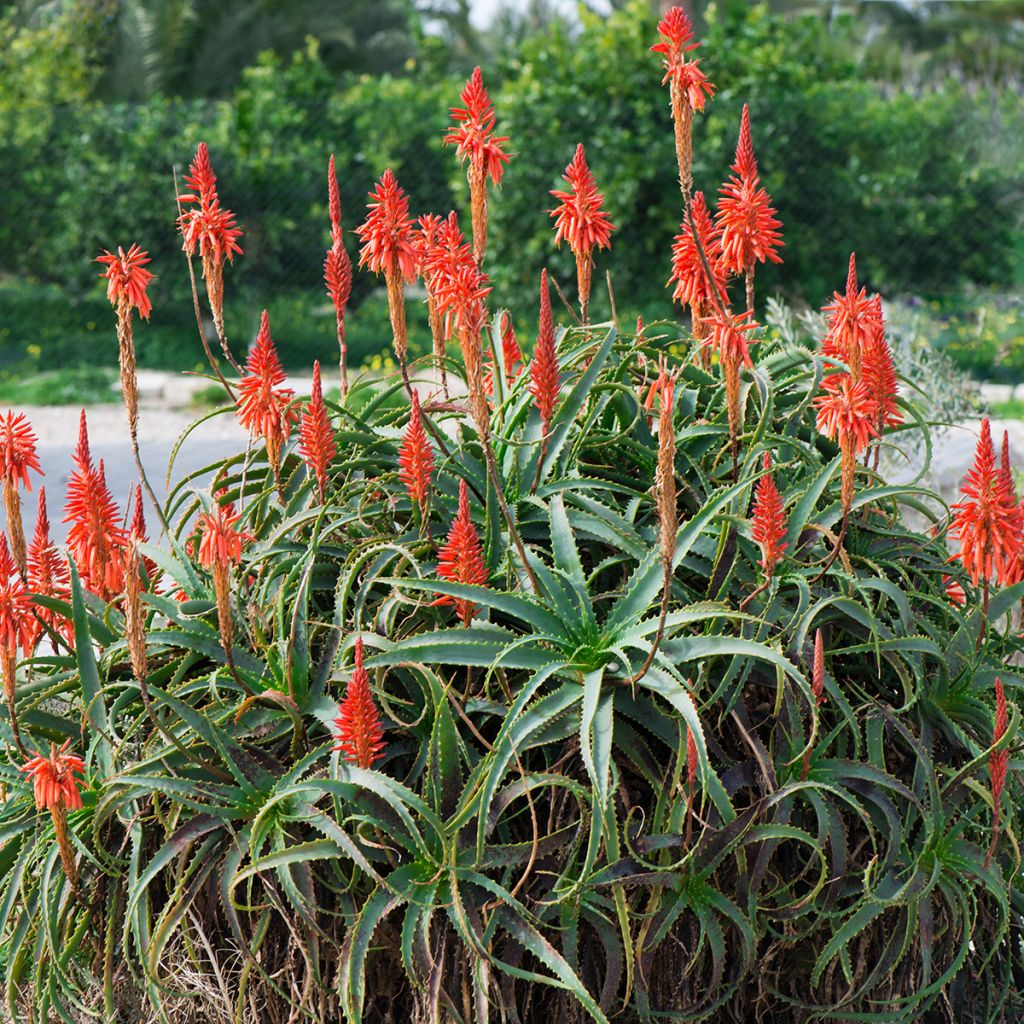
column 263, row 405
column 96, row 539
column 544, row 364
column 220, row 547
column 986, row 522
column 211, row 230
column 768, row 523
column 879, row 372
column 388, row 248
column 416, row 460
column 338, row 271
column 580, row 220
column 316, row 438
column 689, row 87
column 357, row 729
column 848, row 414
column 955, row 593
column 694, row 287
column 853, row 323
column 17, row 456
column 56, row 790
column 461, row 559
column 998, row 764
column 48, row 575
column 728, row 338
column 746, row 219
column 476, row 144
column 428, row 227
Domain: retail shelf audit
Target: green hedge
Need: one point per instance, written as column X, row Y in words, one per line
column 917, row 183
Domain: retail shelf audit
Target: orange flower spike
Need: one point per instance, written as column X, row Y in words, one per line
column 689, row 87
column 53, row 779
column 477, row 144
column 879, row 372
column 416, row 460
column 848, row 414
column 221, row 539
column 317, row 445
column 693, row 286
column 426, row 240
column 389, row 248
column 746, row 219
column 96, row 538
column 338, row 272
column 768, row 524
column 461, row 559
column 544, row 364
column 955, row 593
column 581, row 222
column 998, row 766
column 18, row 455
column 48, row 574
column 18, row 628
column 127, row 279
column 986, row 522
column 357, row 729
column 854, row 322
column 263, row 406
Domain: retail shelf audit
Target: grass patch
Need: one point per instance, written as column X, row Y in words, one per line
column 82, row 385
column 1010, row 410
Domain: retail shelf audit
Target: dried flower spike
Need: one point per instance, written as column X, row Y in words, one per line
column 689, row 87
column 357, row 729
column 480, row 148
column 580, row 220
column 317, row 445
column 18, row 455
column 461, row 559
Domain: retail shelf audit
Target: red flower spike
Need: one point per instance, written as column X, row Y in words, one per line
column 18, row 628
column 387, row 232
column 818, row 672
column 693, row 286
column 579, row 218
column 127, row 279
column 357, row 729
column 746, row 219
column 338, row 278
column 473, row 133
column 998, row 765
column 847, row 411
column 263, row 405
column 512, row 355
column 768, row 524
column 317, row 445
column 456, row 283
column 728, row 336
column 986, row 522
column 691, row 757
column 879, row 372
column 221, row 539
column 544, row 364
column 854, row 322
column 53, row 779
column 206, row 226
column 96, row 538
column 461, row 559
column 17, row 449
column 333, row 199
column 416, row 458
column 48, row 574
